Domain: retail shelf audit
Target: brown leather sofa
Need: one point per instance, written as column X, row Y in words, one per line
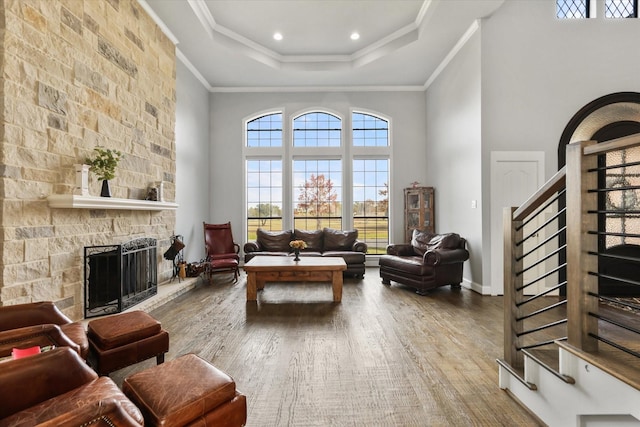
column 57, row 388
column 429, row 261
column 326, row 242
column 42, row 313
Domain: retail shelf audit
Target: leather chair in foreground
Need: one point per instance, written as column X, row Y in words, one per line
column 42, row 313
column 31, row 336
column 58, row 388
column 429, row 261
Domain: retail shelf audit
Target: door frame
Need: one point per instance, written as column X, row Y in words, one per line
column 496, row 235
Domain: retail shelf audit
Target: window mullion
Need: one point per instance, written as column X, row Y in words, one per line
column 287, row 180
column 347, row 175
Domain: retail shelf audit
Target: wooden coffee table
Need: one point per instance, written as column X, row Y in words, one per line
column 261, row 269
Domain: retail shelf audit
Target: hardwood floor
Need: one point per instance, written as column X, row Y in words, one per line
column 384, row 356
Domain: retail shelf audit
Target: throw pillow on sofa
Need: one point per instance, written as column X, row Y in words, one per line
column 339, row 240
column 313, row 239
column 274, row 241
column 445, row 241
column 420, row 241
column 423, row 242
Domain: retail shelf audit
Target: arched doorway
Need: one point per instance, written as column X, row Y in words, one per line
column 611, row 116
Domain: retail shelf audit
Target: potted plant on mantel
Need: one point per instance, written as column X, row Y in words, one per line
column 104, row 164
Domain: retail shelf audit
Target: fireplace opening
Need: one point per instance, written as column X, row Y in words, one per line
column 119, row 276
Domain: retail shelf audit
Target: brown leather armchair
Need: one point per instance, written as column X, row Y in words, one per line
column 429, row 261
column 41, row 313
column 58, row 388
column 31, row 336
column 104, row 413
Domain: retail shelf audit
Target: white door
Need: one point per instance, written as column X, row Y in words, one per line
column 515, row 176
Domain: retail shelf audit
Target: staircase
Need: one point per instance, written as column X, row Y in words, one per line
column 571, row 351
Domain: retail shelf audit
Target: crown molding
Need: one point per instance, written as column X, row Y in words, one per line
column 163, row 27
column 285, row 89
column 313, row 62
column 475, row 25
column 260, row 53
column 193, row 69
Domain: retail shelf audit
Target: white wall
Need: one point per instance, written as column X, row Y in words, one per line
column 538, row 71
column 546, row 69
column 192, row 161
column 454, row 152
column 228, row 110
column 534, row 73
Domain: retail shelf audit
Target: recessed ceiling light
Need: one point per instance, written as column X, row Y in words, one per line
column 277, row 36
column 355, row 36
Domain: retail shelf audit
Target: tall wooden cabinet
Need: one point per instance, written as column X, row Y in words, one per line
column 419, row 210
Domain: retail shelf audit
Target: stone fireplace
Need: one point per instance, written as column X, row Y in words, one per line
column 76, row 75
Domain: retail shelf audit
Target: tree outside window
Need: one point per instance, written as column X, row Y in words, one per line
column 318, row 189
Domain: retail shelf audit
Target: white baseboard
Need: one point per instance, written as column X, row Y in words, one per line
column 476, row 287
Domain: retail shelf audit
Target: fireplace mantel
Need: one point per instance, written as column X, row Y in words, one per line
column 72, row 201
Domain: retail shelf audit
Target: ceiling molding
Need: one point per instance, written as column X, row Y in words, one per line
column 475, row 25
column 204, row 16
column 260, row 53
column 163, row 27
column 193, row 69
column 210, row 25
column 425, row 9
column 232, row 46
column 284, row 89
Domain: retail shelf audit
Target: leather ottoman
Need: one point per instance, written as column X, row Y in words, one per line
column 124, row 339
column 187, row 391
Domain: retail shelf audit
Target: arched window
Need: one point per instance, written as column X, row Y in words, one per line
column 265, row 131
column 264, row 173
column 320, row 177
column 370, row 181
column 369, row 131
column 317, row 177
column 317, row 130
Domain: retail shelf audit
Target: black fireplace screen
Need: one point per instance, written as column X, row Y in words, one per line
column 119, row 276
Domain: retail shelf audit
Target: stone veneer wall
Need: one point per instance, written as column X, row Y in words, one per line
column 77, row 74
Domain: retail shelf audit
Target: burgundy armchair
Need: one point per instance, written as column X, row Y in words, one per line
column 222, row 252
column 429, row 261
column 41, row 313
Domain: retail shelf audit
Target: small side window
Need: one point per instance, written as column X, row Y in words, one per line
column 621, row 8
column 572, row 9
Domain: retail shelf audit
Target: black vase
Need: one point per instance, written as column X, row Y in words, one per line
column 297, row 254
column 106, row 190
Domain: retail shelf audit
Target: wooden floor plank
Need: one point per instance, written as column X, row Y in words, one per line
column 384, row 356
